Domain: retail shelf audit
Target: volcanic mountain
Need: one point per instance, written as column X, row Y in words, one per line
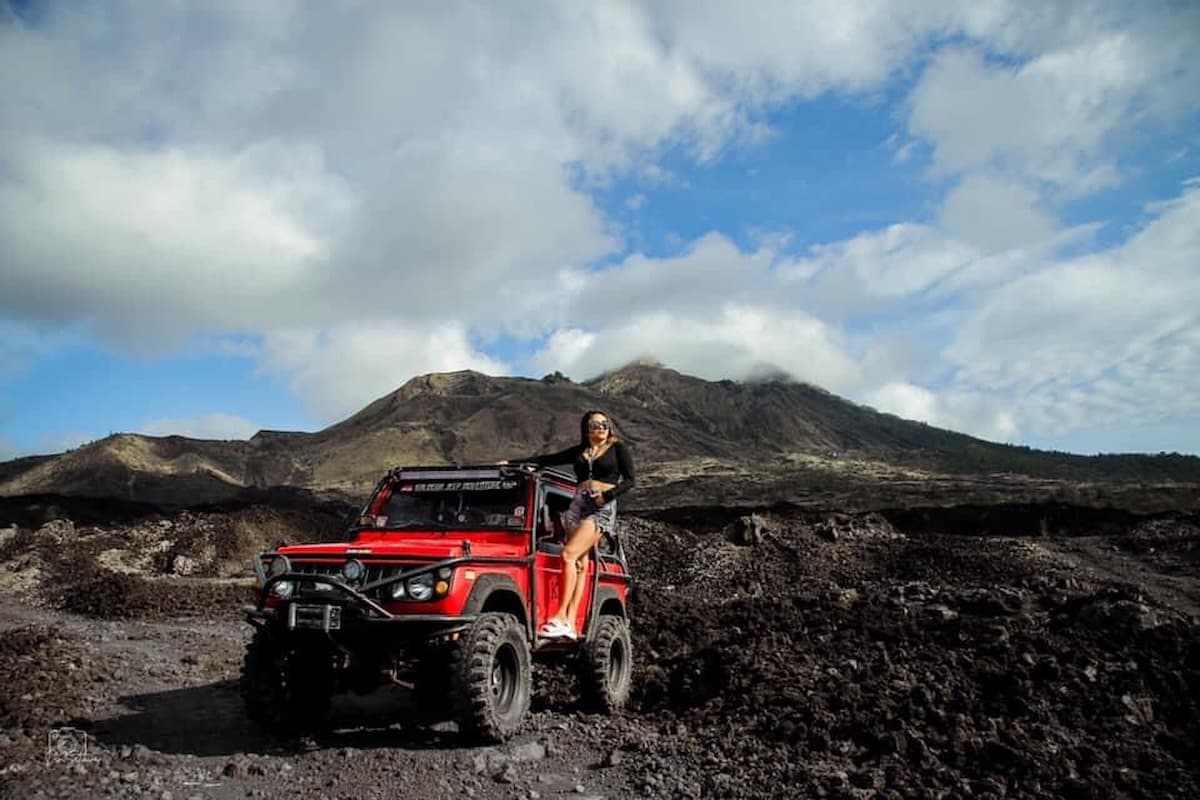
column 677, row 425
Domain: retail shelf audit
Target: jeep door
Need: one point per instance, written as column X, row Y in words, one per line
column 550, row 534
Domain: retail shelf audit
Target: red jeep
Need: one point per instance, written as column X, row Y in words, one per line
column 439, row 588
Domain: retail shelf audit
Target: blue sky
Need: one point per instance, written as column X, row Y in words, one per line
column 221, row 217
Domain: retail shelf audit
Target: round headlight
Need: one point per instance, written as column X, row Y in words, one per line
column 353, row 570
column 279, row 565
column 397, row 590
column 444, row 573
column 283, row 589
column 420, row 587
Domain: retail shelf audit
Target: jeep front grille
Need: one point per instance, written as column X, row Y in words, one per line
column 374, row 572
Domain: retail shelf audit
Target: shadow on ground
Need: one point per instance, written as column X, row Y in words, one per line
column 209, row 720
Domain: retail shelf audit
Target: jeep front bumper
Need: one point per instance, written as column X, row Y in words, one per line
column 341, row 607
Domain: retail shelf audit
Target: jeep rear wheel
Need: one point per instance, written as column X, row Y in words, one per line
column 606, row 671
column 286, row 688
column 491, row 678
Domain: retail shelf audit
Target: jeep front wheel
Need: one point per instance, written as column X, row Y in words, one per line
column 606, row 671
column 491, row 674
column 286, row 688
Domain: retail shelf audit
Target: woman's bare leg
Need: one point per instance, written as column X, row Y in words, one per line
column 569, row 573
column 566, row 583
column 572, row 608
column 575, row 559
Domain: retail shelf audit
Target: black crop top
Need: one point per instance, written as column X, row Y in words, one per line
column 613, row 466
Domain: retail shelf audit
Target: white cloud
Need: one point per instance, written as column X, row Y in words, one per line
column 267, row 166
column 1050, row 117
column 474, row 237
column 341, row 369
column 996, row 214
column 1022, row 341
column 1113, row 336
column 710, row 273
column 656, row 175
column 921, row 275
column 1096, row 306
column 206, row 426
column 958, row 412
column 182, row 242
column 905, row 400
column 158, row 240
column 565, row 348
column 408, row 73
column 1033, row 112
column 731, row 342
column 786, row 49
column 898, row 261
column 1082, row 75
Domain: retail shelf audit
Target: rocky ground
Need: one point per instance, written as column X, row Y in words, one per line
column 918, row 654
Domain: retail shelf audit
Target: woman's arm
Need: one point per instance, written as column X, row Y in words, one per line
column 625, row 470
column 549, row 459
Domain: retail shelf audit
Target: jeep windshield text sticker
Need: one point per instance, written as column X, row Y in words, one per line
column 459, row 486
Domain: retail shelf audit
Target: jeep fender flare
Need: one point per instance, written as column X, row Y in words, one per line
column 497, row 593
column 608, row 603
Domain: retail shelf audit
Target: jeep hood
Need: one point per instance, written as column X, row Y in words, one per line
column 435, row 547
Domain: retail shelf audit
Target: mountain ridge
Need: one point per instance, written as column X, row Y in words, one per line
column 470, row 417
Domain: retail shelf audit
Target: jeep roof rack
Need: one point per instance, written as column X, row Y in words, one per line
column 433, row 473
column 473, row 471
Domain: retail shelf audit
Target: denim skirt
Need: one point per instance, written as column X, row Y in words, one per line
column 582, row 507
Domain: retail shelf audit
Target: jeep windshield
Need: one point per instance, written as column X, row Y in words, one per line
column 448, row 500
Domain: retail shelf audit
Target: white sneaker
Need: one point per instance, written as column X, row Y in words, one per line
column 556, row 629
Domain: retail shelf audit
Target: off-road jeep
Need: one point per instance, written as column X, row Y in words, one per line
column 444, row 578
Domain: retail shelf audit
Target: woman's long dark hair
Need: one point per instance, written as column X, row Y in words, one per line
column 583, row 427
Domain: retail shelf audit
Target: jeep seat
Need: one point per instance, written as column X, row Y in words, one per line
column 550, row 533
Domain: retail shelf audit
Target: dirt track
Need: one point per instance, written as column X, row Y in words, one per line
column 842, row 656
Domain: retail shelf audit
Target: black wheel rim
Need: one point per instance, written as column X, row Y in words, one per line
column 503, row 682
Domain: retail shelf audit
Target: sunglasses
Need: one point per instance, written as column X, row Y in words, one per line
column 597, row 426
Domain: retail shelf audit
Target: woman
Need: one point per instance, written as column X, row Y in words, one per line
column 603, row 471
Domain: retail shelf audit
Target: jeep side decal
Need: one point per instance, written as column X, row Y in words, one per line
column 458, row 486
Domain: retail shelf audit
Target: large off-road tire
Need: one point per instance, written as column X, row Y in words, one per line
column 491, row 678
column 606, row 669
column 286, row 687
